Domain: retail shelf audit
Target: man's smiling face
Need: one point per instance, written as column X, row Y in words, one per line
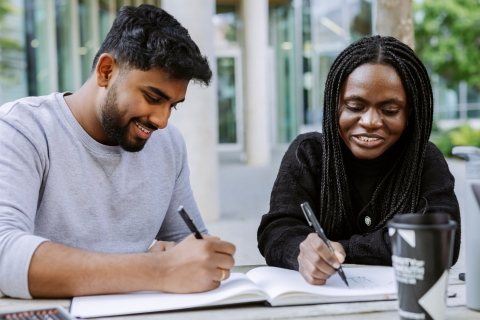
column 137, row 104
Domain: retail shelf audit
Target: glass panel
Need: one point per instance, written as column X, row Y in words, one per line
column 329, row 22
column 227, row 120
column 41, row 46
column 104, row 15
column 308, row 108
column 39, row 73
column 225, row 26
column 286, row 79
column 327, row 27
column 360, row 19
column 13, row 79
column 325, row 63
column 87, row 45
column 336, row 25
column 64, row 46
column 473, row 94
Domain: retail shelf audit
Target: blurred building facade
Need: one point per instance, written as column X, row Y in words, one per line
column 270, row 57
column 59, row 39
column 304, row 38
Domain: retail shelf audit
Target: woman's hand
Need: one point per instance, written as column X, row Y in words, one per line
column 315, row 262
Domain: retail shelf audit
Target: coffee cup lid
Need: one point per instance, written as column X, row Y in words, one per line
column 422, row 219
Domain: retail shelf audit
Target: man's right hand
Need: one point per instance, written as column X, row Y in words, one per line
column 190, row 266
column 194, row 265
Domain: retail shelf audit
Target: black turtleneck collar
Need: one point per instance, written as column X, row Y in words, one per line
column 361, row 167
column 363, row 177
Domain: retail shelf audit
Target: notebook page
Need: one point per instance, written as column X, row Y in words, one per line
column 238, row 288
column 365, row 281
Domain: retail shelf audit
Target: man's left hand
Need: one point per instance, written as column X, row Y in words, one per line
column 162, row 246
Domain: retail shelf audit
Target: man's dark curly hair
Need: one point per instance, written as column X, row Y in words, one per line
column 147, row 37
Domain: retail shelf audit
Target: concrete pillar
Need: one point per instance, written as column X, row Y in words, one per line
column 257, row 142
column 197, row 116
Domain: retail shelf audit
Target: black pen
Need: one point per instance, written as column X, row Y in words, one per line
column 189, row 222
column 311, row 219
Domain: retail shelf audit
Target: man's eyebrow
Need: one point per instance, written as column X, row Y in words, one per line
column 358, row 98
column 162, row 94
column 159, row 92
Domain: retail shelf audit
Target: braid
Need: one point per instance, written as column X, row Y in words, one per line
column 399, row 188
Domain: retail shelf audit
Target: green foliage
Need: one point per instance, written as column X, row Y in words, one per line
column 435, row 127
column 460, row 136
column 5, row 8
column 9, row 47
column 444, row 143
column 447, row 34
column 465, row 136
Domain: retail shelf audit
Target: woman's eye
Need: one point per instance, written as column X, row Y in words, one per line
column 354, row 108
column 174, row 106
column 390, row 112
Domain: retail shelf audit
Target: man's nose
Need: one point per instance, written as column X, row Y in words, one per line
column 371, row 119
column 160, row 117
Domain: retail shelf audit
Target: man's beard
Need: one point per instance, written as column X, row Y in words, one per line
column 112, row 124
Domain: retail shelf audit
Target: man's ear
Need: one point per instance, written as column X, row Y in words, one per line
column 104, row 70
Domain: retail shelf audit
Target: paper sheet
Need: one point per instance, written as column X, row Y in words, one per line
column 254, row 286
column 363, row 282
column 143, row 302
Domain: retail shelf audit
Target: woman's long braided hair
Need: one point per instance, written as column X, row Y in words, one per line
column 398, row 190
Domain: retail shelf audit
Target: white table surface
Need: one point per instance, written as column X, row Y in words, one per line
column 338, row 311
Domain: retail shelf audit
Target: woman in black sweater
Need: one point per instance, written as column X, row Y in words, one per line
column 372, row 161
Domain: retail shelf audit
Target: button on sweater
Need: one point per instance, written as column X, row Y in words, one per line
column 363, row 177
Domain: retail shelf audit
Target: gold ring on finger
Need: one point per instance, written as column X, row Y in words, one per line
column 223, row 275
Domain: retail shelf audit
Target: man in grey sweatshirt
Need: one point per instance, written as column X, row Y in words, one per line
column 88, row 180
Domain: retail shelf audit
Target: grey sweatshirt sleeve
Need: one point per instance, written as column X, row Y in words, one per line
column 21, row 171
column 173, row 227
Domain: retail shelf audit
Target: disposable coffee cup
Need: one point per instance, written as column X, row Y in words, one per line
column 422, row 250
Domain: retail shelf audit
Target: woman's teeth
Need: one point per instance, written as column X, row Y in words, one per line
column 142, row 127
column 367, row 139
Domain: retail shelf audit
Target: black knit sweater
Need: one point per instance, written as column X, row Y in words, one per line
column 283, row 229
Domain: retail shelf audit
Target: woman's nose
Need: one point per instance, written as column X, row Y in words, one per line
column 371, row 119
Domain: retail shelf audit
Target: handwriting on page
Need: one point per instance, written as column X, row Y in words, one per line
column 364, row 283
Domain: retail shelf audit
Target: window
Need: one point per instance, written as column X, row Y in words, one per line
column 227, row 124
column 65, row 45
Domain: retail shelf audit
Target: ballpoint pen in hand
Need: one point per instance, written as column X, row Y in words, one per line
column 189, row 222
column 312, row 220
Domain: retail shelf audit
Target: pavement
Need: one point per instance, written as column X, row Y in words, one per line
column 244, row 199
column 245, row 195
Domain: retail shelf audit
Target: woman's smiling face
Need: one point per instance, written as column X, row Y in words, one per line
column 372, row 111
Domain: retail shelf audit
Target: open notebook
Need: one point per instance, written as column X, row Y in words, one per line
column 278, row 287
